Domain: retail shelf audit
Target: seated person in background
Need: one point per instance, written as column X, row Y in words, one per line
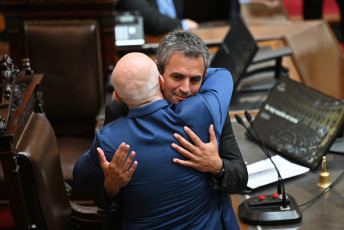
column 158, row 192
column 180, row 84
column 312, row 9
column 162, row 16
column 341, row 10
column 159, row 16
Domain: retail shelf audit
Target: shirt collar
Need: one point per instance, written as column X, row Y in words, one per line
column 147, row 109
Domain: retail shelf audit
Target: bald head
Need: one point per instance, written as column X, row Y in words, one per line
column 136, row 80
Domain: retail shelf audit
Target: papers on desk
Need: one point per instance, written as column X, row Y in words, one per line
column 263, row 172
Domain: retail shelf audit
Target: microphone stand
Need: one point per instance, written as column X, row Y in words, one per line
column 265, row 150
column 277, row 208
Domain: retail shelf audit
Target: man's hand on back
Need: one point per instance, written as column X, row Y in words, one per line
column 119, row 171
column 202, row 156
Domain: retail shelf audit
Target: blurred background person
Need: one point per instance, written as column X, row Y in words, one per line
column 313, row 9
column 160, row 16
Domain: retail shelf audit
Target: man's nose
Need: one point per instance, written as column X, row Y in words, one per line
column 185, row 86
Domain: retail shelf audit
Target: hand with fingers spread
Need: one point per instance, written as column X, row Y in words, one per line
column 119, row 171
column 202, row 156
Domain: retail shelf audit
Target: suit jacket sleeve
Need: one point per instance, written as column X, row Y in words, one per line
column 154, row 21
column 236, row 176
column 101, row 200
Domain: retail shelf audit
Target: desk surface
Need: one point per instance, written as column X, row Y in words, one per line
column 325, row 213
column 215, row 35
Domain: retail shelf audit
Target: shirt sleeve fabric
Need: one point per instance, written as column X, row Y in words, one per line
column 217, row 90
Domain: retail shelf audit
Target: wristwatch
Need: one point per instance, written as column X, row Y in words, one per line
column 221, row 173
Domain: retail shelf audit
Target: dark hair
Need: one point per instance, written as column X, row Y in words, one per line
column 185, row 42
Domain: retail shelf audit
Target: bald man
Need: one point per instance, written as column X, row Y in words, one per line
column 158, row 192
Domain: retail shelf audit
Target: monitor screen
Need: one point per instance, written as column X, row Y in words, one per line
column 236, row 51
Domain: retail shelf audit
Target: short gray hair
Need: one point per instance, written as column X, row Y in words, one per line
column 185, row 42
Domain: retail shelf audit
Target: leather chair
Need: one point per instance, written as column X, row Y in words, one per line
column 68, row 52
column 48, row 205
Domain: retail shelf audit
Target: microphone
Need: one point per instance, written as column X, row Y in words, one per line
column 263, row 147
column 265, row 150
column 277, row 208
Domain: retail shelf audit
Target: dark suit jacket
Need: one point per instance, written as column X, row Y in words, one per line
column 154, row 21
column 234, row 181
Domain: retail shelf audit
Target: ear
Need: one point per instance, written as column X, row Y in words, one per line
column 162, row 83
column 206, row 72
column 157, row 65
column 117, row 97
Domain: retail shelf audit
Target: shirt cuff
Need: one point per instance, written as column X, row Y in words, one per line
column 111, row 204
column 185, row 25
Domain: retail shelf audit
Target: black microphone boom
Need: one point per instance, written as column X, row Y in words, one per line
column 265, row 150
column 268, row 209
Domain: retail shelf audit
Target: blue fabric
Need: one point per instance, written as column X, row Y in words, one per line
column 185, row 26
column 167, row 8
column 162, row 194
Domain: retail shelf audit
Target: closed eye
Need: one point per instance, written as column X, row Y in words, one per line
column 196, row 79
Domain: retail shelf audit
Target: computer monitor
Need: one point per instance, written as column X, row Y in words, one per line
column 299, row 122
column 236, row 51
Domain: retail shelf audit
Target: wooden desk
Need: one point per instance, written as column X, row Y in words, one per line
column 317, row 57
column 211, row 36
column 214, row 36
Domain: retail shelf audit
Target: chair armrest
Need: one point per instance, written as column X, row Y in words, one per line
column 265, row 53
column 87, row 214
column 69, row 189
